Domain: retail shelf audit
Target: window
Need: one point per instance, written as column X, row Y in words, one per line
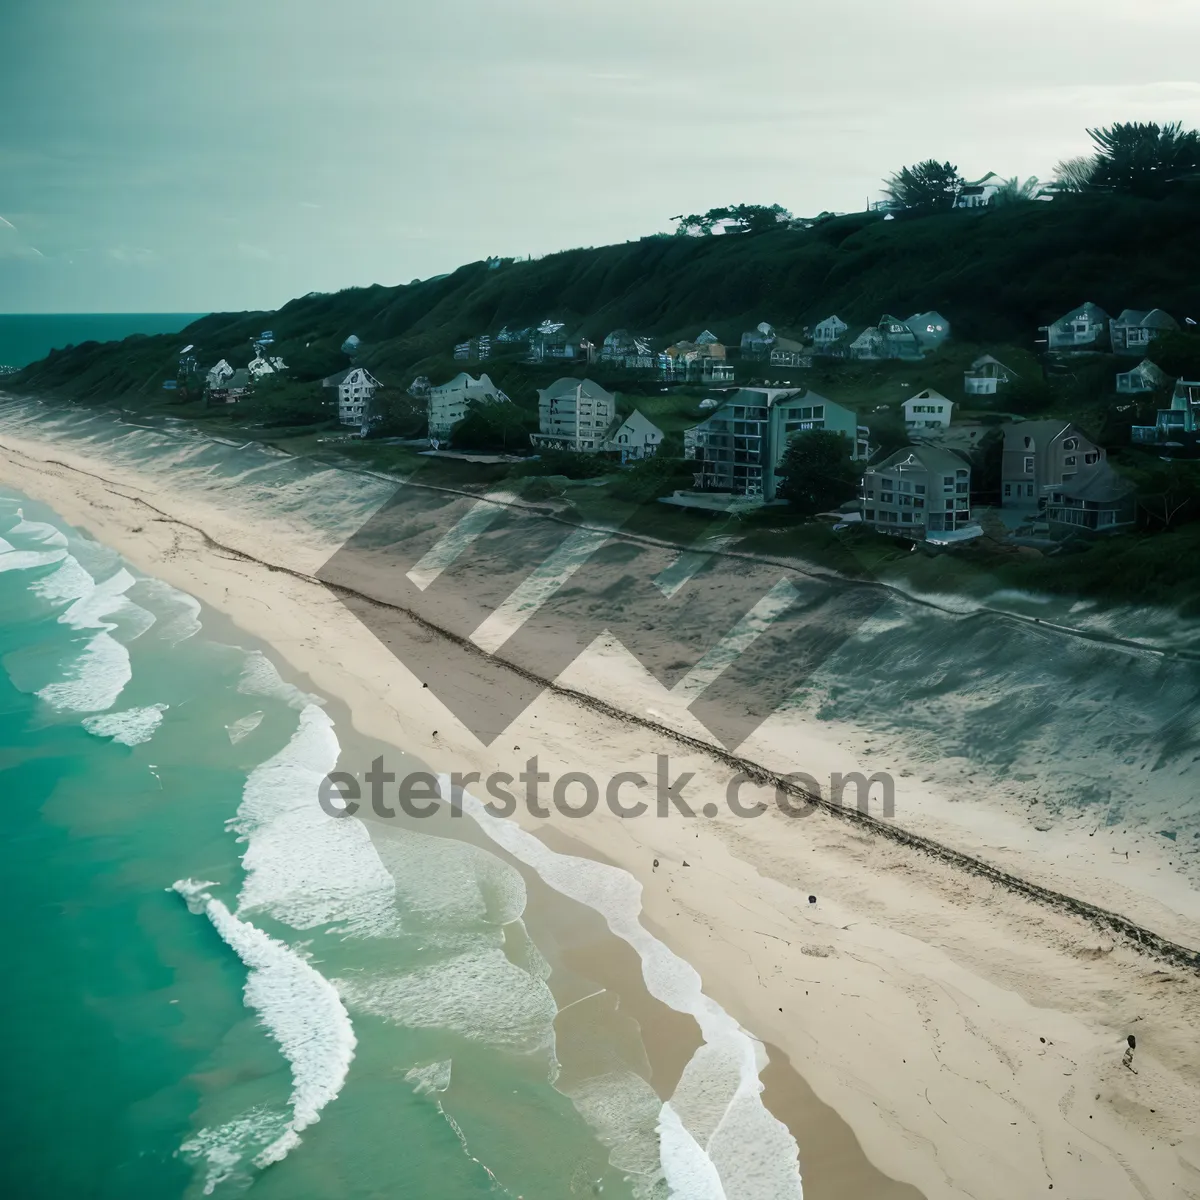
column 1091, row 457
column 1070, row 444
column 869, row 514
column 1069, row 461
column 1029, row 443
column 1028, row 468
column 1008, row 491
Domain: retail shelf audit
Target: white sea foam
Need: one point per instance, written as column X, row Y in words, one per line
column 243, row 727
column 12, row 559
column 69, row 582
column 227, row 1150
column 260, row 678
column 179, row 613
column 38, row 531
column 94, row 680
column 131, row 727
column 304, row 867
column 478, row 994
column 108, row 599
column 301, row 1010
column 430, row 1079
column 716, row 1138
column 445, row 882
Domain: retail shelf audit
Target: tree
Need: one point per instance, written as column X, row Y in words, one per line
column 818, row 472
column 1144, row 157
column 499, row 426
column 394, row 413
column 927, row 185
column 1074, row 174
column 1013, row 191
column 741, row 218
column 1169, row 493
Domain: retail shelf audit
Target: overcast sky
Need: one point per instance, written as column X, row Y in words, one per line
column 189, row 155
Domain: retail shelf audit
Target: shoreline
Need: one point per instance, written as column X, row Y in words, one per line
column 966, row 998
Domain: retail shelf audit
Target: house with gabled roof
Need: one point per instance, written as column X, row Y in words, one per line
column 1134, row 330
column 1099, row 500
column 757, row 342
column 916, row 492
column 891, row 338
column 574, row 414
column 931, row 329
column 927, row 410
column 634, row 438
column 448, row 402
column 1182, row 419
column 829, row 330
column 985, row 376
column 218, row 374
column 787, row 353
column 1039, row 455
column 979, row 193
column 1082, row 329
column 355, row 388
column 1145, row 377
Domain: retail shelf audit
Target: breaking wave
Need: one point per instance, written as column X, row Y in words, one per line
column 129, row 728
column 301, row 1010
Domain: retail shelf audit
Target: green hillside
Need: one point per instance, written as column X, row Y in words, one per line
column 996, row 273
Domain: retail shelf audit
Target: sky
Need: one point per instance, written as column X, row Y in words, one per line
column 198, row 155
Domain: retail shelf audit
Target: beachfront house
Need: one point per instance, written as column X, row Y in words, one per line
column 550, row 341
column 217, row 375
column 891, row 338
column 635, row 438
column 930, row 329
column 828, row 331
column 917, row 492
column 1134, row 330
column 1145, row 377
column 574, row 414
column 617, row 346
column 1082, row 329
column 979, row 194
column 695, row 360
column 985, row 376
column 927, row 410
column 1181, row 420
column 354, row 387
column 738, row 450
column 1099, row 500
column 261, row 365
column 232, row 387
column 448, row 402
column 1040, row 455
column 757, row 342
column 787, row 353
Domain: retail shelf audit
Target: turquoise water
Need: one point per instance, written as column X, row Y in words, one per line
column 217, row 988
column 161, row 1053
column 26, row 337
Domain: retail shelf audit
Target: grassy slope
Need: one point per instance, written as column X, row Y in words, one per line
column 996, row 274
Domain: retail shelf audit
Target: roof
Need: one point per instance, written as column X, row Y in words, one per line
column 341, row 376
column 932, row 458
column 639, row 426
column 1087, row 308
column 835, row 319
column 1040, row 431
column 929, row 394
column 565, row 387
column 1155, row 318
column 1098, row 485
column 985, row 360
column 790, row 346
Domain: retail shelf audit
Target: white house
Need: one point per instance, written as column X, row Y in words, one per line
column 985, row 376
column 218, row 374
column 917, row 492
column 927, row 410
column 1135, row 329
column 979, row 194
column 448, row 402
column 1083, row 328
column 574, row 414
column 1145, row 377
column 787, row 353
column 261, row 365
column 829, row 330
column 355, row 388
column 636, row 437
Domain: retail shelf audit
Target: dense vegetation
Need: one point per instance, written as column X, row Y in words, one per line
column 997, row 273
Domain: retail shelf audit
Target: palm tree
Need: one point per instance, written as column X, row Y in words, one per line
column 1074, row 174
column 1013, row 191
column 1144, row 157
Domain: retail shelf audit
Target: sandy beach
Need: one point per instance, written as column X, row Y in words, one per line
column 969, row 1036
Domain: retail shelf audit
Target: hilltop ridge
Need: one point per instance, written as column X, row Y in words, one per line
column 997, row 273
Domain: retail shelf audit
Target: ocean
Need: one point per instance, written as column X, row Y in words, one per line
column 26, row 337
column 218, row 988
